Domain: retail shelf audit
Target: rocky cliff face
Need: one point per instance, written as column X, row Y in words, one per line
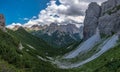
column 2, row 22
column 106, row 17
column 91, row 20
column 108, row 5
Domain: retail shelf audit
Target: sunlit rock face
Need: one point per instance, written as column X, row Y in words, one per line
column 91, row 20
column 2, row 22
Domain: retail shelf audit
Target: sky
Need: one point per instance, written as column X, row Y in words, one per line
column 29, row 12
column 20, row 11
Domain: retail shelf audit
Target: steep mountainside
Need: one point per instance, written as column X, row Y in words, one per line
column 39, row 44
column 105, row 17
column 19, row 57
column 91, row 20
column 101, row 38
column 107, row 62
column 60, row 35
column 100, row 58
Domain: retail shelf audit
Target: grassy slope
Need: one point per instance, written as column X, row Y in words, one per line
column 37, row 43
column 40, row 44
column 6, row 67
column 21, row 60
column 108, row 62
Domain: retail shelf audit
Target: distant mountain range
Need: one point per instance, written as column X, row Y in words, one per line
column 54, row 34
column 60, row 35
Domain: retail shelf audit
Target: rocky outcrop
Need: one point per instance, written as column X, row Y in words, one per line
column 2, row 22
column 91, row 20
column 109, row 5
column 106, row 24
column 106, row 17
column 109, row 22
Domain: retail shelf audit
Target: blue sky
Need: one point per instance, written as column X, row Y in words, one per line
column 16, row 10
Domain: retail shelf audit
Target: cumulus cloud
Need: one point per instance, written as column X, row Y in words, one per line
column 72, row 7
column 69, row 11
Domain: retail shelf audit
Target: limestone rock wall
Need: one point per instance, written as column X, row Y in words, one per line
column 105, row 17
column 91, row 20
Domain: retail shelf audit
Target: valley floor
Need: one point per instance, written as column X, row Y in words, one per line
column 65, row 63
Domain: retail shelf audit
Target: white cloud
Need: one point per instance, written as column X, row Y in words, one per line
column 13, row 25
column 26, row 19
column 65, row 12
column 69, row 11
column 34, row 17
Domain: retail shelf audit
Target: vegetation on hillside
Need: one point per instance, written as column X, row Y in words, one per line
column 13, row 58
column 21, row 60
column 107, row 62
column 57, row 39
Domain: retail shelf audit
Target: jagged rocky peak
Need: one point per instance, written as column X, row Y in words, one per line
column 91, row 19
column 71, row 28
column 37, row 27
column 68, row 28
column 53, row 25
column 2, row 22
